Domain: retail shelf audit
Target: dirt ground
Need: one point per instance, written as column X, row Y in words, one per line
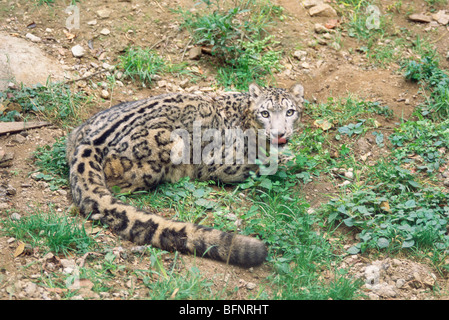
column 329, row 73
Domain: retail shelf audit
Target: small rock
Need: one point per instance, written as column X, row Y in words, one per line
column 82, row 84
column 19, row 139
column 108, row 67
column 419, row 17
column 251, row 286
column 335, row 45
column 6, row 159
column 305, row 65
column 441, row 17
column 104, row 94
column 105, row 31
column 10, row 190
column 33, row 38
column 183, row 84
column 119, row 75
column 15, row 216
column 30, row 289
column 373, row 296
column 311, row 3
column 322, row 10
column 62, row 192
column 385, row 290
column 78, row 51
column 320, row 28
column 4, row 206
column 400, row 283
column 104, row 13
column 162, row 83
column 300, row 55
column 446, row 182
column 48, row 256
column 195, row 53
column 349, row 174
column 345, row 183
column 92, row 22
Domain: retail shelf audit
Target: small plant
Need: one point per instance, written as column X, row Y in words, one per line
column 394, row 210
column 55, row 232
column 236, row 37
column 54, row 101
column 169, row 284
column 434, row 79
column 352, row 128
column 141, row 64
column 53, row 165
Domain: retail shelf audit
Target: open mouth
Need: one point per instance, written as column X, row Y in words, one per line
column 279, row 141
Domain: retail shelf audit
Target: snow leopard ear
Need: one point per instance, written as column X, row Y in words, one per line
column 297, row 91
column 254, row 91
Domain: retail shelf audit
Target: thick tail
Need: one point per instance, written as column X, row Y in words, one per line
column 92, row 196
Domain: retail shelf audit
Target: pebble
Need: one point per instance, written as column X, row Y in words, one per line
column 104, row 13
column 15, row 216
column 195, row 53
column 320, row 28
column 441, row 17
column 78, row 51
column 322, row 10
column 300, row 55
column 104, row 94
column 349, row 174
column 31, row 288
column 105, row 31
column 400, row 283
column 251, row 286
column 19, row 139
column 4, row 206
column 33, row 38
column 108, row 67
column 419, row 17
column 311, row 3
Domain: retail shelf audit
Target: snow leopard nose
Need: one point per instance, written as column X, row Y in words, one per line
column 278, row 133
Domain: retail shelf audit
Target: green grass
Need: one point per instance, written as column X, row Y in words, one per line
column 141, row 64
column 52, row 164
column 434, row 80
column 163, row 283
column 51, row 231
column 53, row 102
column 238, row 39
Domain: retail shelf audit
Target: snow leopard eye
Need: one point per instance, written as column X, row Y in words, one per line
column 265, row 114
column 290, row 112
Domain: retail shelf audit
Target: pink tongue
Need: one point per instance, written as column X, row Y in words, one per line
column 280, row 140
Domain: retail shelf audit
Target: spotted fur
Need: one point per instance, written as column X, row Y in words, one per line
column 130, row 146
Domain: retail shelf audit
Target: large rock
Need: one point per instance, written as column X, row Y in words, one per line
column 419, row 17
column 322, row 10
column 24, row 62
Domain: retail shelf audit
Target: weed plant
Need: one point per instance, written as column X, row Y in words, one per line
column 141, row 64
column 54, row 102
column 55, row 232
column 52, row 164
column 433, row 79
column 238, row 40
